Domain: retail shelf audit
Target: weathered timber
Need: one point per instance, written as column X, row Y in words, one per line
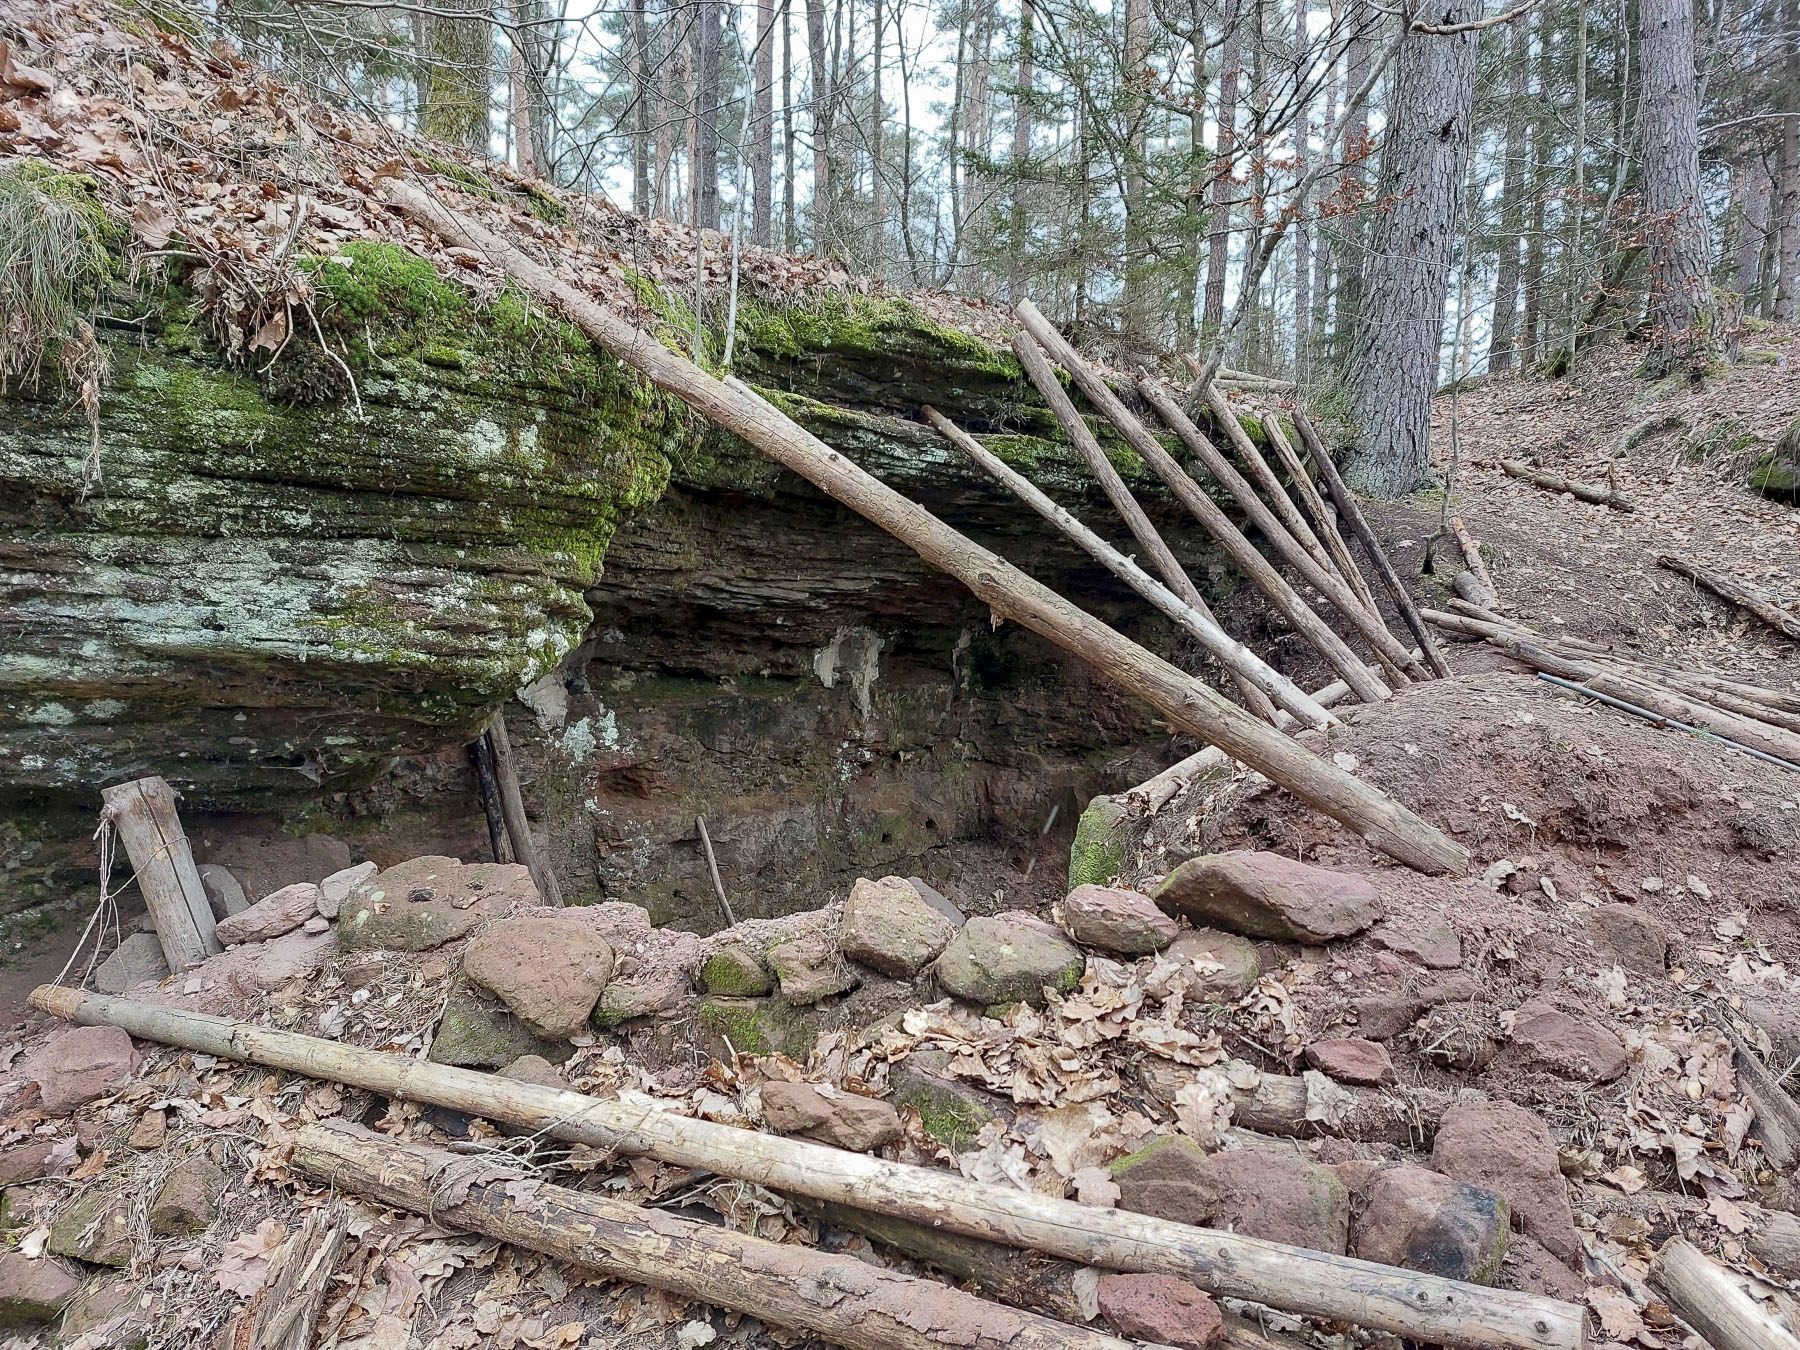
column 487, row 788
column 1473, row 560
column 1714, row 1303
column 1229, row 652
column 1041, row 374
column 1777, row 1114
column 1383, row 1298
column 849, row 1303
column 1275, row 495
column 1556, row 482
column 1259, row 570
column 143, row 813
column 1010, row 594
column 1744, row 597
column 512, row 805
column 285, row 1312
column 1310, row 500
column 1350, row 510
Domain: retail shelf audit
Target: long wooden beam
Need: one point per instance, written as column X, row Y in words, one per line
column 1187, row 702
column 1319, row 1284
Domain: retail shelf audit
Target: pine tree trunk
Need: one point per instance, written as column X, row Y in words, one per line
column 640, row 113
column 1752, row 233
column 1502, row 341
column 1218, row 238
column 1021, row 154
column 1302, row 225
column 762, row 131
column 1681, row 307
column 1787, row 236
column 1394, row 365
column 1187, row 293
column 821, row 98
column 706, row 138
column 1353, row 229
column 877, row 212
column 790, row 223
column 1139, row 298
column 672, row 96
column 1538, row 155
column 459, row 76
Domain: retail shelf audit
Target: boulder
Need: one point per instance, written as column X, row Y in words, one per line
column 137, row 960
column 75, row 1067
column 1505, row 1148
column 1227, row 966
column 478, row 1033
column 1268, row 895
column 888, row 926
column 1351, row 1059
column 548, row 966
column 270, row 917
column 1113, row 919
column 425, row 902
column 1430, row 942
column 1624, row 935
column 1160, row 1310
column 623, row 924
column 736, row 971
column 845, row 1120
column 1097, row 855
column 1275, row 1193
column 336, row 888
column 810, row 968
column 1575, row 1048
column 94, row 1227
column 188, row 1198
column 1424, row 1220
column 1171, row 1178
column 1004, row 960
column 1777, row 473
column 657, row 978
column 224, row 892
column 33, row 1291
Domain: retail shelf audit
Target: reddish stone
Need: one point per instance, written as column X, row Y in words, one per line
column 1268, row 895
column 1507, row 1149
column 76, row 1067
column 847, row 1120
column 1351, row 1059
column 1160, row 1310
column 1569, row 1047
column 1113, row 919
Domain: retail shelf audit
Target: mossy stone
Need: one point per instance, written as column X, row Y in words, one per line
column 96, row 1227
column 1097, row 856
column 1777, row 473
column 952, row 1112
column 736, row 972
column 479, row 1034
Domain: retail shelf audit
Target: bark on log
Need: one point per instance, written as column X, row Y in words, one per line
column 1156, row 548
column 487, row 788
column 143, row 813
column 1473, row 559
column 1777, row 1114
column 1274, row 495
column 1469, row 588
column 1745, row 598
column 1323, row 523
column 1383, row 1298
column 1252, row 564
column 285, row 1311
column 1384, row 644
column 1555, row 482
column 512, row 803
column 1230, row 653
column 1714, row 1303
column 848, row 1303
column 1009, row 593
column 1348, row 509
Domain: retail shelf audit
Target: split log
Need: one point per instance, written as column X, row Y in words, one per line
column 1555, row 482
column 1348, row 509
column 1314, row 504
column 846, row 1302
column 512, row 804
column 1386, row 647
column 1744, row 597
column 143, row 813
column 1477, row 567
column 1383, row 1298
column 1230, row 653
column 285, row 1311
column 1777, row 1114
column 1038, row 369
column 1187, row 702
column 1714, row 1303
column 1274, row 494
column 1259, row 570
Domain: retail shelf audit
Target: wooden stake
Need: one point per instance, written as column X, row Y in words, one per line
column 143, row 813
column 1188, row 703
column 846, row 1302
column 1318, row 1284
column 1555, row 482
column 1367, row 622
column 512, row 803
column 1323, row 523
column 487, row 789
column 1348, row 509
column 712, row 866
column 1231, row 653
column 1714, row 1303
column 1783, row 622
column 1162, row 557
column 1252, row 564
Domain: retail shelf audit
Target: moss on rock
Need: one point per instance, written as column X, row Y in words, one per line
column 1097, row 854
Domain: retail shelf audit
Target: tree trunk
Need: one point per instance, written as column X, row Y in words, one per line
column 667, row 44
column 1538, row 155
column 1753, row 227
column 1354, row 226
column 1681, row 305
column 1021, row 155
column 1503, row 342
column 641, row 200
column 1138, row 315
column 824, row 171
column 1394, row 366
column 1302, row 225
column 762, row 131
column 705, row 170
column 1218, row 237
column 790, row 223
column 1787, row 236
column 459, row 75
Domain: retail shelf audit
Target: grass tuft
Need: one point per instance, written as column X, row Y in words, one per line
column 54, row 262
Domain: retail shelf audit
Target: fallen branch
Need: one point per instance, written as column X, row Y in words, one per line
column 1231, row 653
column 1555, row 482
column 846, row 1302
column 1719, row 1309
column 1783, row 622
column 1477, row 568
column 1347, row 506
column 512, row 806
column 1383, row 1298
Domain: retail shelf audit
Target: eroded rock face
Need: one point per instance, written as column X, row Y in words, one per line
column 1275, row 1193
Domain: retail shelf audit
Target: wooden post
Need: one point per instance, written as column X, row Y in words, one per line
column 143, row 813
column 1714, row 1303
column 1345, row 501
column 512, row 805
column 1783, row 622
column 487, row 789
column 1382, row 1298
column 1162, row 557
column 1234, row 655
column 846, row 1302
column 1188, row 703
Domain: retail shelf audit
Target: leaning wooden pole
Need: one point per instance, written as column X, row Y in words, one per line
column 1040, row 372
column 1318, row 1284
column 1783, row 622
column 143, row 813
column 1187, row 702
column 1276, row 495
column 512, row 806
column 1347, row 506
column 1315, row 507
column 848, row 1303
column 1231, row 653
